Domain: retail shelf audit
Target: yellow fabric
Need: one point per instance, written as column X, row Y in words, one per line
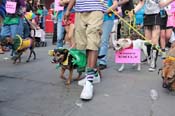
column 51, row 52
column 25, row 44
column 66, row 61
column 169, row 58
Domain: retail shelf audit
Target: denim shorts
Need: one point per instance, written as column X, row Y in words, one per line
column 12, row 30
column 9, row 30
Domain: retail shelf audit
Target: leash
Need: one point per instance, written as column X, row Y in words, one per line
column 130, row 21
column 130, row 26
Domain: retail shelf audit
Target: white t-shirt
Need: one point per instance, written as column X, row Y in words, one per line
column 152, row 7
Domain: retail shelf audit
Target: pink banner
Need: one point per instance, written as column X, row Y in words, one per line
column 128, row 56
column 10, row 7
column 57, row 6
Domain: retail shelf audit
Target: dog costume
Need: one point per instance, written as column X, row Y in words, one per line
column 21, row 44
column 78, row 59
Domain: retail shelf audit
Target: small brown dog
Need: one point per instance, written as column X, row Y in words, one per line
column 168, row 71
column 20, row 45
column 65, row 60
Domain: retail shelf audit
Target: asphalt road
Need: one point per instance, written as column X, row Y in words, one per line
column 34, row 89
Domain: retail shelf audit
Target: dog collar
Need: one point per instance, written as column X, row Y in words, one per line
column 130, row 47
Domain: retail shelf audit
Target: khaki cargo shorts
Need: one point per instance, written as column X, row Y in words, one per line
column 88, row 30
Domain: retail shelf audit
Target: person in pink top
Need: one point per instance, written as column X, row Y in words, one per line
column 171, row 14
column 171, row 20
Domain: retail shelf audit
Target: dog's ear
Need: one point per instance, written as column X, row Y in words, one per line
column 65, row 51
column 55, row 50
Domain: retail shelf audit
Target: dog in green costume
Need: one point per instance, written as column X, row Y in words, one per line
column 69, row 60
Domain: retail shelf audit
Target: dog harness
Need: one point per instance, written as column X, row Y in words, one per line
column 21, row 44
column 130, row 47
column 66, row 61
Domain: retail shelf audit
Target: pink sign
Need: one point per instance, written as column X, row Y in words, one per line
column 57, row 6
column 10, row 7
column 128, row 56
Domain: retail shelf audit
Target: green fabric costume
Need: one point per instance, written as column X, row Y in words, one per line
column 79, row 59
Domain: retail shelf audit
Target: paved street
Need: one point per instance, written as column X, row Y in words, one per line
column 34, row 89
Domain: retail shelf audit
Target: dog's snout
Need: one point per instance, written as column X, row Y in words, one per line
column 164, row 85
column 53, row 60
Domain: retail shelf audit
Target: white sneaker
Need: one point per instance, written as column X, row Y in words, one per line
column 94, row 79
column 87, row 92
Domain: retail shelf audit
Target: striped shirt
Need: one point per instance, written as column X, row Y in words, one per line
column 90, row 5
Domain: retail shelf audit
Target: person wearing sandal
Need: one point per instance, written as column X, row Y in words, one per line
column 2, row 15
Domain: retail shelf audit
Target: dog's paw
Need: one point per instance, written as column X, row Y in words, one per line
column 68, row 82
column 62, row 77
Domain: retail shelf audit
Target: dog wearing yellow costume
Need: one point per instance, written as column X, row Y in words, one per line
column 20, row 45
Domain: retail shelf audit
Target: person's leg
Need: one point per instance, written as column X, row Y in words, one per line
column 154, row 51
column 70, row 35
column 1, row 20
column 20, row 27
column 60, row 34
column 171, row 40
column 118, row 30
column 54, row 39
column 148, row 33
column 162, row 42
column 155, row 35
column 94, row 21
column 5, row 32
column 14, row 31
column 93, row 32
column 26, row 30
column 67, row 38
column 168, row 34
column 107, row 28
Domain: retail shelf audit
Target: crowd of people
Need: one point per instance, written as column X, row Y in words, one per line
column 28, row 15
column 87, row 25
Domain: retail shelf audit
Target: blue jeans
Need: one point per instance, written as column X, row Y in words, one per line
column 20, row 27
column 26, row 31
column 60, row 34
column 9, row 30
column 106, row 29
column 12, row 30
